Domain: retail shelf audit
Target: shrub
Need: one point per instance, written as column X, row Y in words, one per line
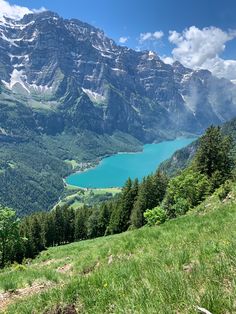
column 185, row 191
column 181, row 206
column 155, row 216
column 224, row 190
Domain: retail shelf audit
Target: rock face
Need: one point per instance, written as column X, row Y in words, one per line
column 62, row 75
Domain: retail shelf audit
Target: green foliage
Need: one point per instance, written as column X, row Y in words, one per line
column 155, row 216
column 151, row 192
column 182, row 264
column 224, row 190
column 31, row 171
column 185, row 191
column 213, row 157
column 181, row 206
column 9, row 234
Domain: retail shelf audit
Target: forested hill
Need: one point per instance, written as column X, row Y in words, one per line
column 153, row 201
column 184, row 156
column 185, row 265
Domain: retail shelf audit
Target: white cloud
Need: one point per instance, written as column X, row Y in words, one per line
column 123, row 40
column 15, row 11
column 150, row 36
column 168, row 60
column 201, row 48
column 158, row 34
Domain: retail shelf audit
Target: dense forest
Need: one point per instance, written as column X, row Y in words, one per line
column 153, row 201
column 32, row 170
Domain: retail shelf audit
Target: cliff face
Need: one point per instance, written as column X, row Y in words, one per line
column 64, row 75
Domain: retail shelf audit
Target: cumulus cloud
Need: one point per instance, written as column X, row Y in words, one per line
column 150, row 36
column 15, row 11
column 123, row 40
column 201, row 48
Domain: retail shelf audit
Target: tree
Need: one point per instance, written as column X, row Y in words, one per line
column 9, row 233
column 151, row 193
column 185, row 191
column 120, row 218
column 213, row 157
column 81, row 219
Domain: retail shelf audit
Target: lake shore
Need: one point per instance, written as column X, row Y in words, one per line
column 113, row 170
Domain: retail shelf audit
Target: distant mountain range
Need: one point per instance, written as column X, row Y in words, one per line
column 65, row 80
column 68, row 74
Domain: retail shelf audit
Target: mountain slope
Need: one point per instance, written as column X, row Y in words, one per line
column 67, row 92
column 185, row 263
column 184, row 156
column 70, row 75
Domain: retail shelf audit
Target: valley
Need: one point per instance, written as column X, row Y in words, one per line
column 117, row 157
column 86, row 97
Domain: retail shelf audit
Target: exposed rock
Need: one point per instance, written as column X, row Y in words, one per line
column 71, row 76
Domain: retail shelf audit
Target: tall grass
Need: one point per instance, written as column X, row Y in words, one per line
column 187, row 262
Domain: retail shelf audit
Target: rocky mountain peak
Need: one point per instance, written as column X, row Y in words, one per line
column 73, row 70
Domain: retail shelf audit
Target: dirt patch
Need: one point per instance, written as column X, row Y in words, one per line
column 88, row 270
column 48, row 262
column 68, row 309
column 65, row 269
column 8, row 297
column 53, row 261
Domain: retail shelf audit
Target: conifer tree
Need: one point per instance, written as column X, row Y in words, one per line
column 81, row 217
column 120, row 218
column 213, row 157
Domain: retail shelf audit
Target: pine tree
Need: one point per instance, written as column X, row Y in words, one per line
column 213, row 156
column 104, row 217
column 140, row 205
column 120, row 218
column 151, row 193
column 81, row 217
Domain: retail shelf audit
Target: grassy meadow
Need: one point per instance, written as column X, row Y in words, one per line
column 77, row 197
column 184, row 263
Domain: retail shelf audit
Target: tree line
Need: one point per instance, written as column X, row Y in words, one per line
column 154, row 200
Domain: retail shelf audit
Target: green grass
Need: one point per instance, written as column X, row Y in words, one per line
column 74, row 164
column 77, row 197
column 184, row 263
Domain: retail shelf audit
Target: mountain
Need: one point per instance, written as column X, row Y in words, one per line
column 67, row 92
column 83, row 80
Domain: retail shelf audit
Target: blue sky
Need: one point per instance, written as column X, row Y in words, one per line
column 203, row 34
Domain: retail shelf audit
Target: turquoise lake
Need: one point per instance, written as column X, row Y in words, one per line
column 113, row 171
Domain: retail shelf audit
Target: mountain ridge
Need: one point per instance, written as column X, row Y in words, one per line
column 73, row 69
column 68, row 92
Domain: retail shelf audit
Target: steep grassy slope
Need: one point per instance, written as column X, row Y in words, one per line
column 187, row 262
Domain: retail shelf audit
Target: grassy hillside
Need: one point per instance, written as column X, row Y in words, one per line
column 184, row 263
column 76, row 197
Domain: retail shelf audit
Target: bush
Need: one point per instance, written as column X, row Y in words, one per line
column 155, row 216
column 185, row 191
column 181, row 206
column 224, row 190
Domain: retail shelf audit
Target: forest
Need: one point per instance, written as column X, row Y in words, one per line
column 153, row 201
